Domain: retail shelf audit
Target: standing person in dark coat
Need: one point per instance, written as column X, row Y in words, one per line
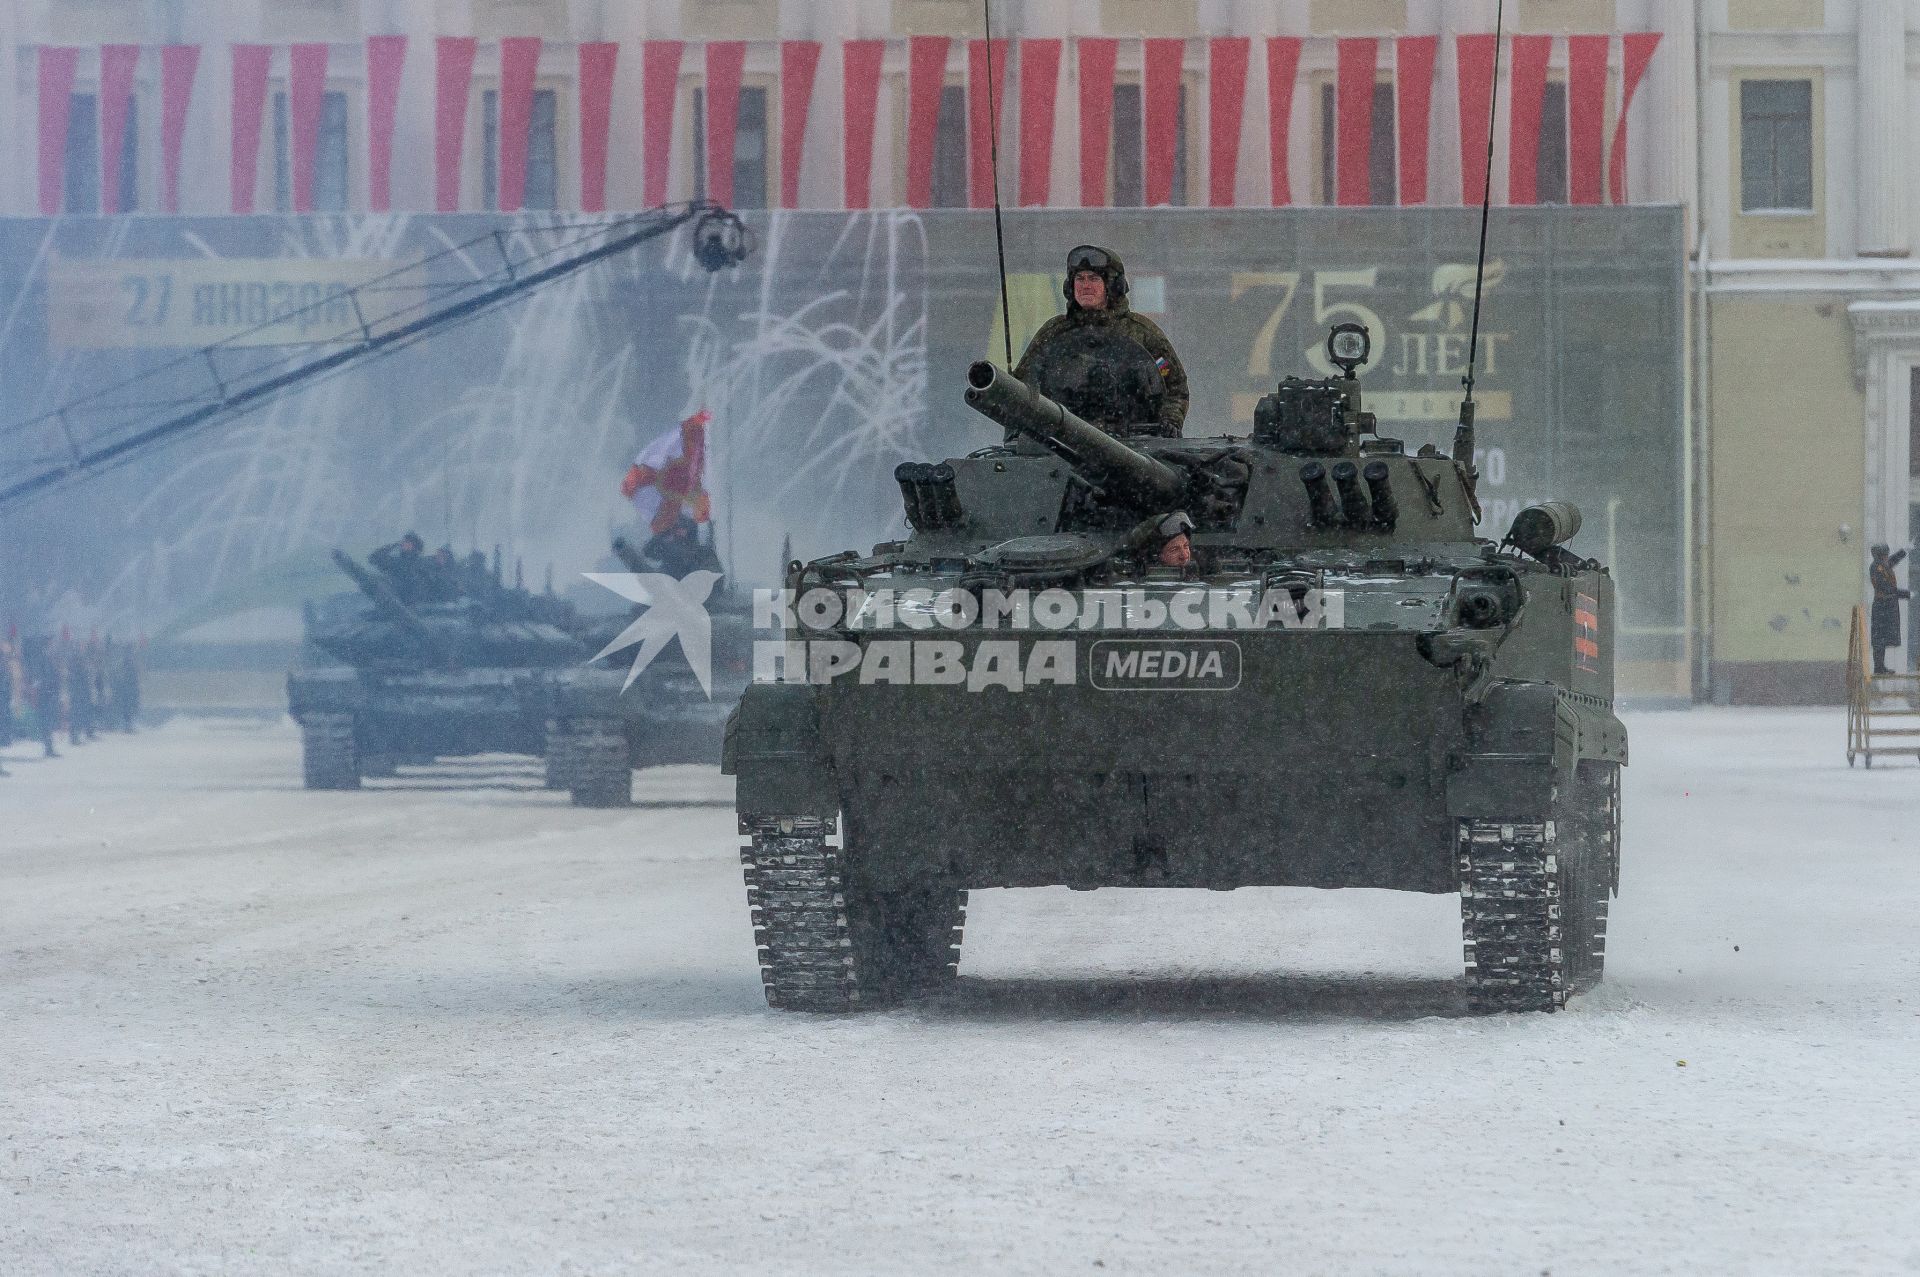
column 43, row 689
column 1887, row 595
column 123, row 685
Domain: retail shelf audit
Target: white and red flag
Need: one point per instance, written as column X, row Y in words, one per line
column 668, row 478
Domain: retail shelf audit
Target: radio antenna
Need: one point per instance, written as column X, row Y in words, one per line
column 1463, row 433
column 993, row 154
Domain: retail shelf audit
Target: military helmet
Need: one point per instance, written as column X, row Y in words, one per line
column 1103, row 262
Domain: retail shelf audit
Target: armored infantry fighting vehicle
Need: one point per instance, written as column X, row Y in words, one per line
column 603, row 727
column 1102, row 661
column 426, row 667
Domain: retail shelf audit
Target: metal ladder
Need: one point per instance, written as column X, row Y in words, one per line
column 1883, row 710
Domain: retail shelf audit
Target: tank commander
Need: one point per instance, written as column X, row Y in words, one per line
column 1887, row 595
column 401, row 563
column 1063, row 361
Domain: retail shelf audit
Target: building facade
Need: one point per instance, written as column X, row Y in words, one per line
column 1782, row 126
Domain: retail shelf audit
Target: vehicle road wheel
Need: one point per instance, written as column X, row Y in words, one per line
column 599, row 772
column 327, row 753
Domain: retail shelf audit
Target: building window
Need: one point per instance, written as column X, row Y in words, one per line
column 82, row 194
column 1129, row 147
column 542, row 189
column 750, row 148
column 1382, row 155
column 329, row 155
column 1776, row 145
column 1550, row 168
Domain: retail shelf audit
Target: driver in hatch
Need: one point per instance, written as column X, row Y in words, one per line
column 1111, row 366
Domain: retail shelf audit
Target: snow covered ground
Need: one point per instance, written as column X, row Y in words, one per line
column 453, row 1025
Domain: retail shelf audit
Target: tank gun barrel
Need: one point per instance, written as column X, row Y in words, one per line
column 1094, row 454
column 376, row 588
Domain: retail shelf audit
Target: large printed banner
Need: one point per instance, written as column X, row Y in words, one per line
column 134, row 304
column 836, row 352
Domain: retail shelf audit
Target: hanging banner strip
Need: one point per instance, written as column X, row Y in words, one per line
column 386, row 57
column 1283, row 65
column 179, row 64
column 1526, row 90
column 1475, row 54
column 860, row 79
column 726, row 64
column 118, row 62
column 1413, row 57
column 1039, row 91
column 1586, row 116
column 799, row 66
column 1636, row 51
column 1353, row 120
column 660, row 90
column 453, row 85
column 57, row 68
column 926, row 78
column 519, row 64
column 250, row 65
column 982, row 116
column 1098, row 56
column 1160, row 130
column 599, row 59
column 306, row 100
column 1227, row 58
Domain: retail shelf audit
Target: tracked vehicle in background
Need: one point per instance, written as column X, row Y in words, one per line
column 602, row 727
column 1342, row 685
column 389, row 681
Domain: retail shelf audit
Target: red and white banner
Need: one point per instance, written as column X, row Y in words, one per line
column 860, row 76
column 118, row 62
column 1160, row 131
column 926, row 78
column 179, row 63
column 1636, row 51
column 519, row 65
column 660, row 89
column 306, row 102
column 250, row 65
column 598, row 61
column 453, row 85
column 386, row 58
column 1039, row 90
column 1226, row 110
column 1098, row 55
column 1283, row 65
column 799, row 66
column 1586, row 116
column 986, row 94
column 1413, row 59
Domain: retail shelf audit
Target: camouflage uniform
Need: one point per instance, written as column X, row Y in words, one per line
column 1118, row 315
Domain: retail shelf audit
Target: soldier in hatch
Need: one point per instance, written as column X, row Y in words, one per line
column 404, row 566
column 1086, row 359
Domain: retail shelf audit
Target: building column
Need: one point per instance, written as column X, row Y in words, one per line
column 1881, row 140
column 1673, row 138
